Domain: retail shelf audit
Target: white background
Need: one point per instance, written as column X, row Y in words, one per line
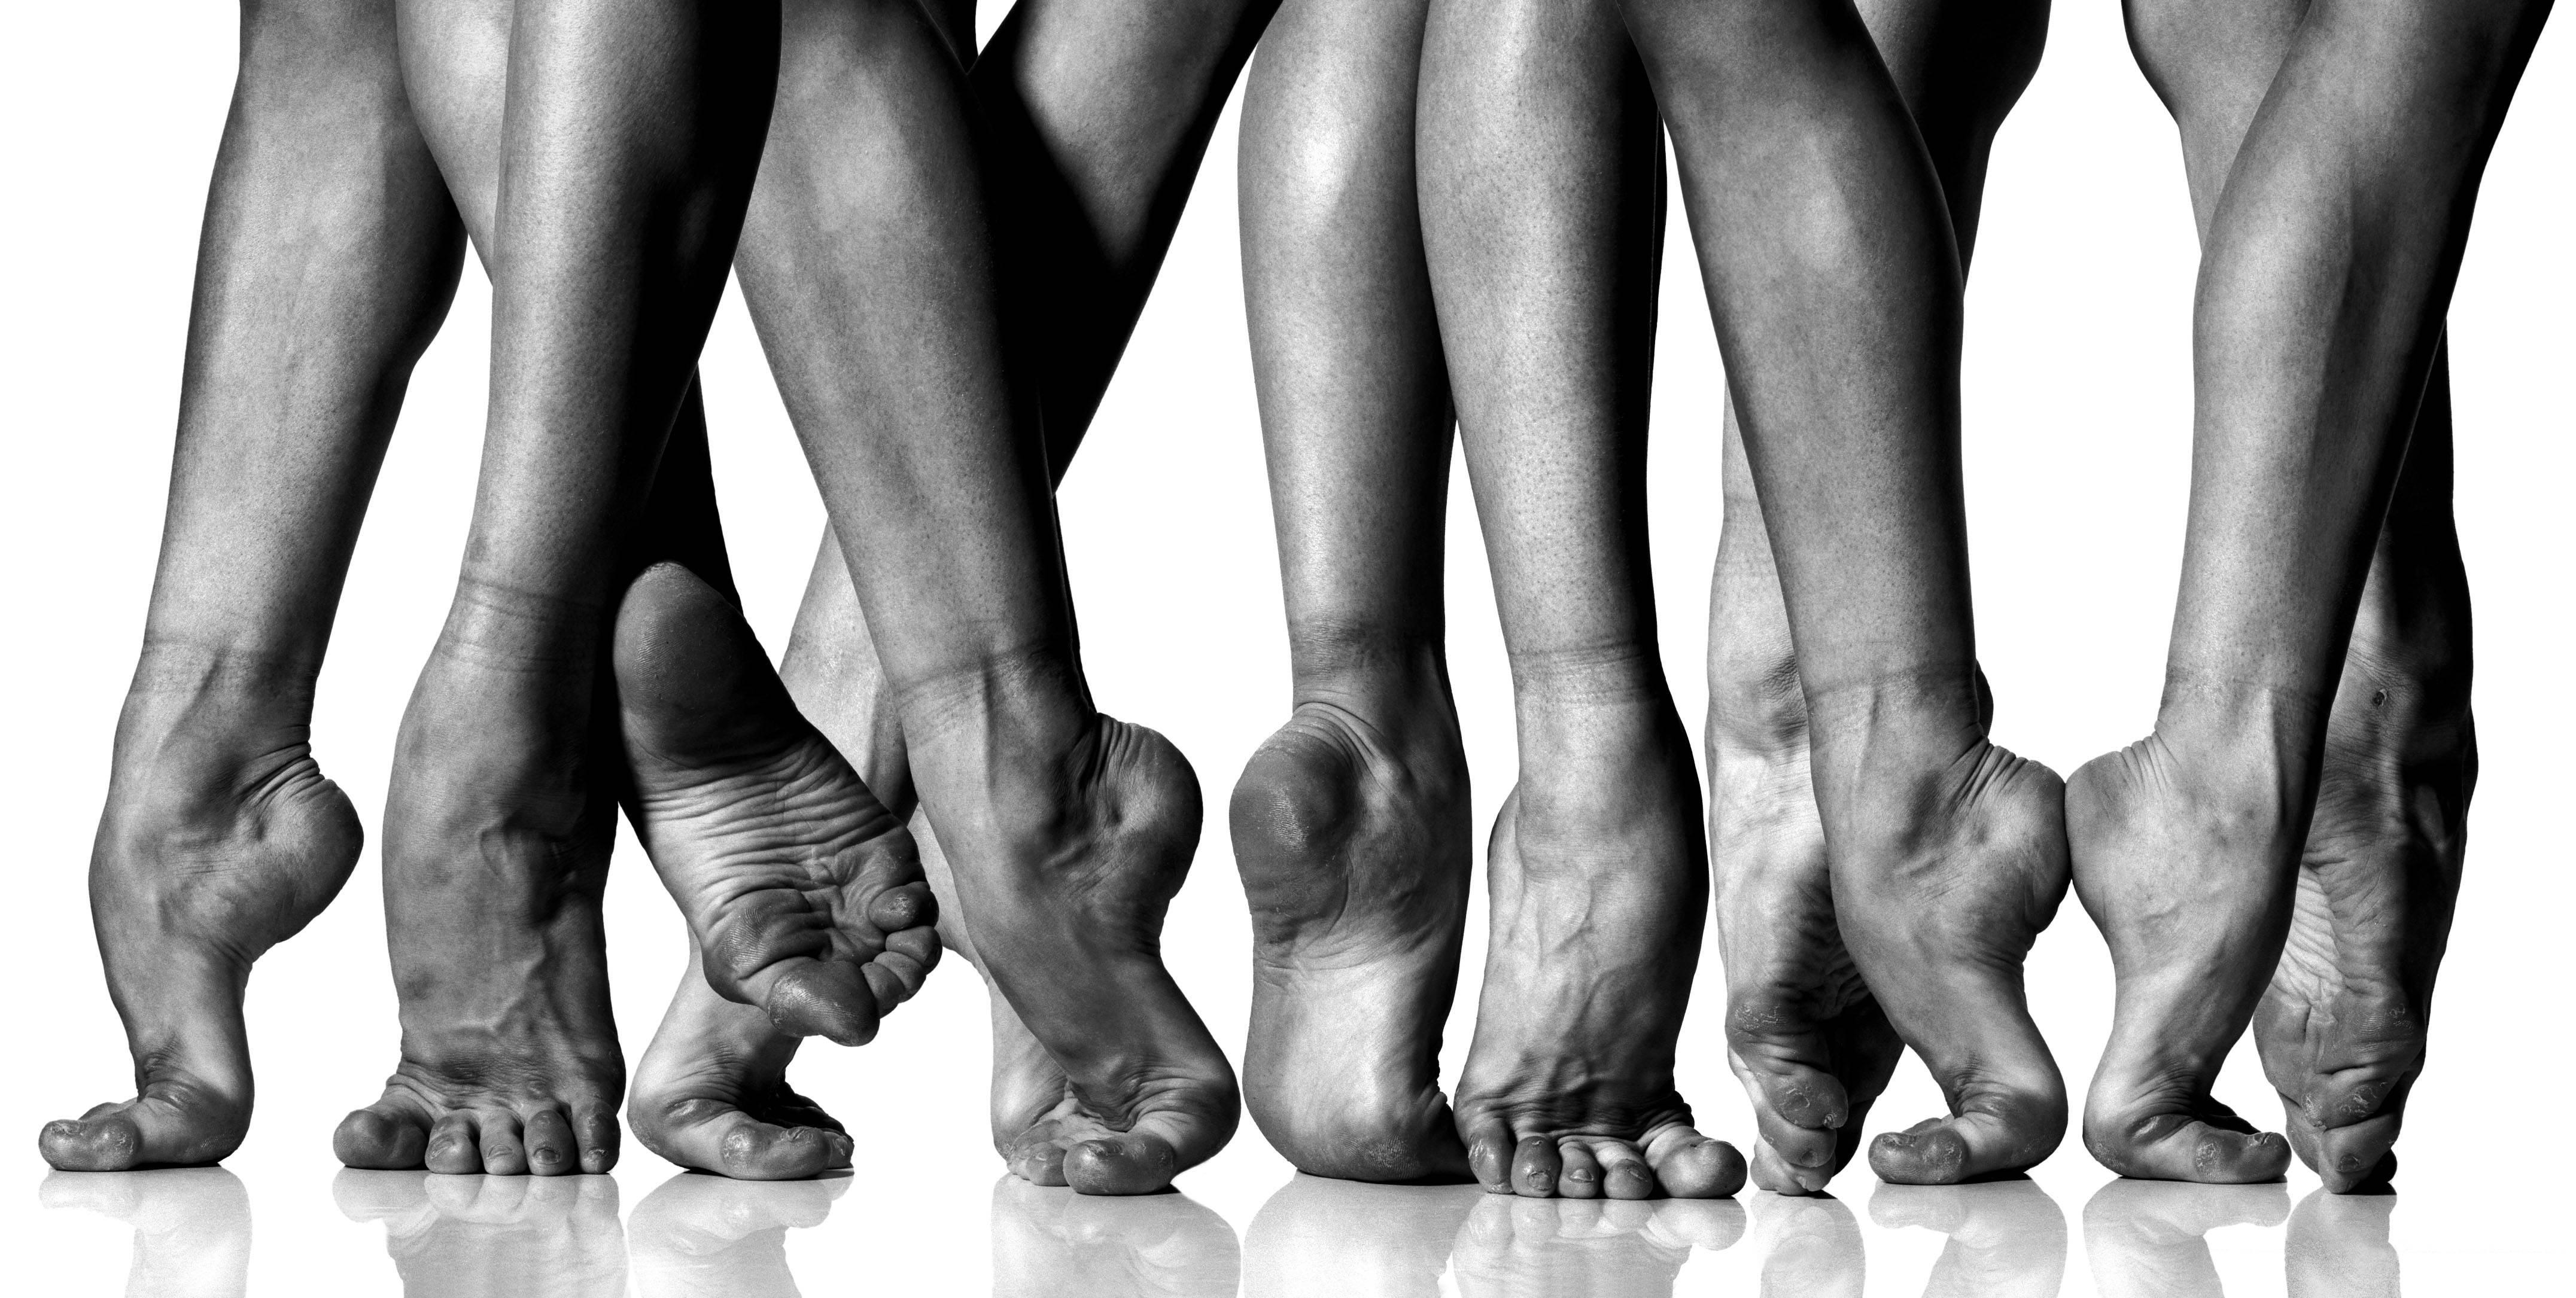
column 2078, row 417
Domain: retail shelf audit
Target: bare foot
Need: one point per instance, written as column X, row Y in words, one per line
column 804, row 893
column 2146, row 1240
column 2007, row 1238
column 2342, row 1026
column 1803, row 1034
column 706, row 1237
column 1574, row 1247
column 711, row 1093
column 1599, row 885
column 1317, row 1235
column 1082, row 829
column 192, row 1226
column 497, row 833
column 2186, row 858
column 1352, row 839
column 1949, row 858
column 1049, row 1244
column 480, row 1235
column 221, row 839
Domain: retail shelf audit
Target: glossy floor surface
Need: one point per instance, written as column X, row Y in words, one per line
column 1244, row 1227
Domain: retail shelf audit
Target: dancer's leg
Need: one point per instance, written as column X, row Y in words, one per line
column 329, row 257
column 1542, row 183
column 1835, row 286
column 2329, row 262
column 870, row 279
column 1811, row 1046
column 1351, row 823
column 2342, row 1027
column 629, row 143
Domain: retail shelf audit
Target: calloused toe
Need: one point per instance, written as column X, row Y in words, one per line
column 1581, row 1178
column 1536, row 1164
column 596, row 1130
column 1692, row 1166
column 375, row 1140
column 759, row 1151
column 2009, row 1134
column 455, row 1145
column 1624, row 1173
column 547, row 1137
column 1130, row 1163
column 823, row 998
column 504, row 1151
column 1489, row 1157
column 2172, row 1147
column 99, row 1143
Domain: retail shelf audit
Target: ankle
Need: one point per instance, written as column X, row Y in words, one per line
column 1757, row 711
column 203, row 730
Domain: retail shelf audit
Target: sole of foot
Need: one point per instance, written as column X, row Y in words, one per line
column 2341, row 1028
column 497, row 836
column 1803, row 1034
column 2192, row 892
column 1949, row 871
column 1599, row 888
column 1084, row 846
column 221, row 840
column 711, row 1093
column 1355, row 858
column 805, row 894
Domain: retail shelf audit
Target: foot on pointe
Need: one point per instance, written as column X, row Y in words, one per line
column 2188, row 867
column 1085, row 837
column 1599, row 886
column 711, row 1093
column 1352, row 840
column 497, row 835
column 805, row 894
column 2342, row 1026
column 1803, row 1034
column 1949, row 859
column 221, row 839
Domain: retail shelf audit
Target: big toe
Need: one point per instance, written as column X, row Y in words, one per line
column 1691, row 1166
column 106, row 1143
column 1130, row 1163
column 2004, row 1134
column 379, row 1140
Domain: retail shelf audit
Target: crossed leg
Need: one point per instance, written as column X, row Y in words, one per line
column 1542, row 176
column 329, row 257
column 1811, row 1045
column 1834, row 282
column 2328, row 260
column 1351, row 823
column 1096, row 113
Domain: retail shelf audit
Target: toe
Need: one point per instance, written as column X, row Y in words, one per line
column 1489, row 1155
column 1991, row 1134
column 1624, row 1173
column 107, row 1142
column 1037, row 1155
column 823, row 998
column 2177, row 1147
column 596, row 1130
column 1133, row 1162
column 505, row 1151
column 1691, row 1166
column 1579, row 1177
column 1536, row 1163
column 1780, row 1176
column 2358, row 1157
column 910, row 906
column 376, row 1139
column 893, row 978
column 546, row 1135
column 758, row 1151
column 455, row 1145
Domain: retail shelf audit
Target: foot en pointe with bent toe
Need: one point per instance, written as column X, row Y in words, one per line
column 221, row 839
column 1949, row 856
column 1599, row 892
column 1351, row 831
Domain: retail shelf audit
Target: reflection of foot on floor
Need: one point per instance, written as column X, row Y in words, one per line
column 2145, row 1238
column 700, row 1236
column 473, row 1236
column 2339, row 1247
column 1320, row 1238
column 1811, row 1247
column 1605, row 1249
column 191, row 1226
column 2007, row 1238
column 1053, row 1243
